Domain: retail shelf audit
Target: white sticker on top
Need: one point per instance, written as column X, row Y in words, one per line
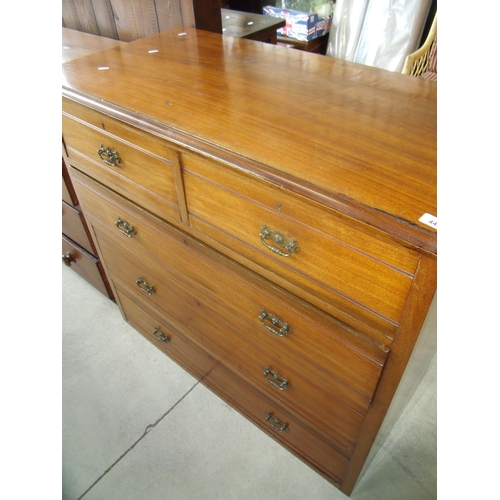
column 430, row 220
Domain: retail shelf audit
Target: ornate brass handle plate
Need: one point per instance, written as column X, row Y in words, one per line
column 125, row 227
column 145, row 286
column 160, row 336
column 276, row 379
column 275, row 423
column 282, row 245
column 108, row 156
column 282, row 328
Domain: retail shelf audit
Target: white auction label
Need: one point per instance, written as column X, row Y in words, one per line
column 430, row 220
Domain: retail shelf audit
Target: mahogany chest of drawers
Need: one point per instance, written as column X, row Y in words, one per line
column 257, row 211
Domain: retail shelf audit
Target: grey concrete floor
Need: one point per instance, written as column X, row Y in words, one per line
column 137, row 426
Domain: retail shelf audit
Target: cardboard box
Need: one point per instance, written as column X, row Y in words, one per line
column 302, row 26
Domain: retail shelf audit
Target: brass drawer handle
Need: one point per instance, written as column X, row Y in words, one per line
column 112, row 156
column 125, row 228
column 284, row 246
column 145, row 286
column 160, row 336
column 284, row 328
column 68, row 259
column 275, row 423
column 276, row 379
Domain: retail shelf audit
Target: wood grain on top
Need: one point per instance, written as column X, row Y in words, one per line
column 356, row 138
column 77, row 44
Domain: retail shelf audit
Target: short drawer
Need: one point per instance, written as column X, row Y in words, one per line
column 335, row 260
column 74, row 227
column 114, row 127
column 141, row 175
column 210, row 324
column 85, row 264
column 276, row 322
column 264, row 412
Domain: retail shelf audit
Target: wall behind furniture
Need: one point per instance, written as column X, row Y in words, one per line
column 129, row 20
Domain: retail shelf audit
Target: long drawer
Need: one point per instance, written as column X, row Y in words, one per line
column 144, row 176
column 264, row 412
column 162, row 335
column 219, row 330
column 334, row 355
column 336, row 260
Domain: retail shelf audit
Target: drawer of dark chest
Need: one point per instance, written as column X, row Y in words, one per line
column 84, row 264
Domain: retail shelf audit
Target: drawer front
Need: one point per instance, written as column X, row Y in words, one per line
column 278, row 422
column 231, row 387
column 85, row 264
column 162, row 335
column 116, row 128
column 212, row 325
column 142, row 176
column 323, row 253
column 335, row 356
column 74, row 227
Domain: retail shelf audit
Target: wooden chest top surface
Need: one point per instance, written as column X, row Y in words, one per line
column 77, row 44
column 358, row 139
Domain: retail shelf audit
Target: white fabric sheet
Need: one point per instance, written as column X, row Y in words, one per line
column 378, row 33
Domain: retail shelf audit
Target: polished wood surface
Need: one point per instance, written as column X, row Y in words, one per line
column 370, row 133
column 207, row 129
column 77, row 44
column 250, row 26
